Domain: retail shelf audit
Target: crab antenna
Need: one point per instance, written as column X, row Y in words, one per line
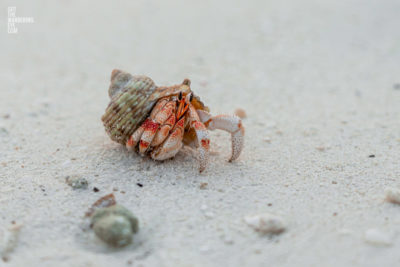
column 182, row 106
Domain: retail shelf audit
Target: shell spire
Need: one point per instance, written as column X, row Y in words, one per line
column 130, row 104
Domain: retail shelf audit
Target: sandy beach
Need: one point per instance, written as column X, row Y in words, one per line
column 318, row 80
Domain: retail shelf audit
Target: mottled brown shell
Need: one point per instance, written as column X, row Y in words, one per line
column 132, row 99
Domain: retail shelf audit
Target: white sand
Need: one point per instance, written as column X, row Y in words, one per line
column 316, row 78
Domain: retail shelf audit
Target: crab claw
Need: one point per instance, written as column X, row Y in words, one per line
column 229, row 123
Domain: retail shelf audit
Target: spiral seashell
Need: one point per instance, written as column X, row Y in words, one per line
column 132, row 99
column 129, row 104
column 115, row 225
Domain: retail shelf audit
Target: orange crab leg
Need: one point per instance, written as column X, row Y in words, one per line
column 163, row 132
column 150, row 129
column 172, row 144
column 135, row 137
column 152, row 126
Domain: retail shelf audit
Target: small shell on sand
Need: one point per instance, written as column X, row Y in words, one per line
column 240, row 113
column 115, row 225
column 266, row 223
column 76, row 182
column 377, row 237
column 392, row 195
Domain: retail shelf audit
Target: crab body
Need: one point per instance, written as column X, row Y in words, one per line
column 158, row 121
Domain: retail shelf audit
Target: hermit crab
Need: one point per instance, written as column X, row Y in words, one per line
column 158, row 120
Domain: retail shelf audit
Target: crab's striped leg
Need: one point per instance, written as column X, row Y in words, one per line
column 163, row 132
column 157, row 118
column 202, row 137
column 135, row 137
column 172, row 144
column 229, row 123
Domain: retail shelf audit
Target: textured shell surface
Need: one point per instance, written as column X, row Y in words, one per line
column 132, row 99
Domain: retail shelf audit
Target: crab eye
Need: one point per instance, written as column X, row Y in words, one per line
column 180, row 96
column 191, row 97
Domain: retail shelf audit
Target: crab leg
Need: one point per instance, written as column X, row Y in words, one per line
column 202, row 137
column 229, row 123
column 146, row 125
column 162, row 134
column 157, row 118
column 172, row 144
column 150, row 129
column 135, row 137
column 173, row 141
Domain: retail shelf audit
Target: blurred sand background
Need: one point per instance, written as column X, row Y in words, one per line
column 319, row 81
